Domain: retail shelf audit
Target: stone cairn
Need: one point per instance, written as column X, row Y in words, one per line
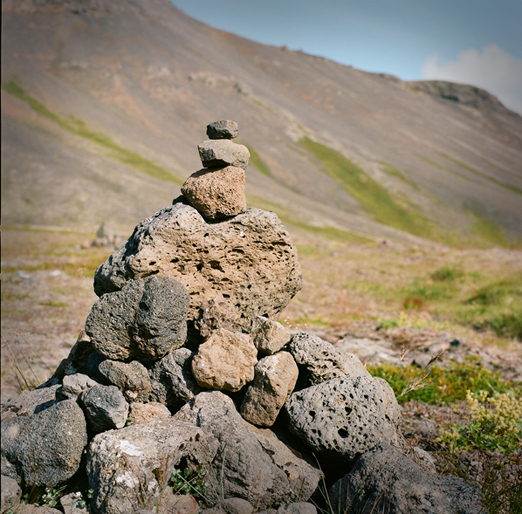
column 183, row 370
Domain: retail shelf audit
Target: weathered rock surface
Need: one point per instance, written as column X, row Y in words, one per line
column 172, row 381
column 145, row 412
column 10, row 494
column 249, row 259
column 105, row 408
column 225, row 361
column 216, row 193
column 216, row 313
column 131, row 379
column 275, row 378
column 230, row 506
column 243, row 467
column 74, row 385
column 223, row 152
column 223, row 129
column 44, row 449
column 36, row 509
column 342, row 418
column 125, row 467
column 269, row 336
column 319, row 361
column 74, row 503
column 297, row 508
column 145, row 319
column 29, row 402
column 387, row 481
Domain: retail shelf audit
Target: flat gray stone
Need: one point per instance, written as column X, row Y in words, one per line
column 221, row 153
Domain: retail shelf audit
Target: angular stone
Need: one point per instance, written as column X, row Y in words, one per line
column 74, row 385
column 225, row 361
column 230, row 506
column 388, row 481
column 342, row 418
column 249, row 259
column 242, row 467
column 105, row 408
column 10, row 494
column 223, row 129
column 131, row 379
column 145, row 412
column 221, row 153
column 319, row 361
column 172, row 381
column 147, row 318
column 275, row 378
column 216, row 193
column 128, row 468
column 44, row 449
column 269, row 336
column 216, row 313
column 28, row 402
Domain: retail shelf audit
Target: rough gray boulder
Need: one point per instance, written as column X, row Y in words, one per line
column 10, row 494
column 147, row 318
column 131, row 379
column 242, row 467
column 28, row 402
column 128, row 468
column 105, row 408
column 318, row 360
column 222, row 129
column 172, row 382
column 230, row 506
column 214, row 153
column 297, row 508
column 341, row 418
column 44, row 449
column 385, row 480
column 216, row 193
column 249, row 259
column 74, row 385
column 275, row 378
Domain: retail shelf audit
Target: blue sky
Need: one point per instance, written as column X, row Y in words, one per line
column 477, row 42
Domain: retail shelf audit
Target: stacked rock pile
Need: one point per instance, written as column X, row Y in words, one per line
column 183, row 371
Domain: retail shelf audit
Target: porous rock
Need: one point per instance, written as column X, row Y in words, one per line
column 388, row 481
column 225, row 361
column 105, row 408
column 222, row 153
column 28, row 402
column 223, row 129
column 269, row 336
column 10, row 493
column 145, row 412
column 126, row 467
column 318, row 360
column 250, row 259
column 36, row 509
column 74, row 385
column 230, row 506
column 216, row 193
column 216, row 313
column 172, row 381
column 44, row 449
column 297, row 508
column 275, row 378
column 341, row 418
column 243, row 468
column 145, row 319
column 131, row 379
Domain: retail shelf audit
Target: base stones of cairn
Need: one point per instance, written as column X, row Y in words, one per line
column 147, row 318
column 275, row 378
column 249, row 259
column 225, row 361
column 216, row 193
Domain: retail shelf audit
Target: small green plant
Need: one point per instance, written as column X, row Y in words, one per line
column 496, row 424
column 447, row 274
column 190, row 481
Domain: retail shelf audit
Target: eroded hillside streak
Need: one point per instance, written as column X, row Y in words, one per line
column 79, row 128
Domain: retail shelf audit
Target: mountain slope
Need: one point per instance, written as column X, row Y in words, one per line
column 103, row 104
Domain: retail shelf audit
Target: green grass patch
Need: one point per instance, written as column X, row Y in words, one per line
column 52, row 303
column 256, row 160
column 442, row 386
column 372, row 197
column 487, row 230
column 79, row 128
column 447, row 274
column 394, row 172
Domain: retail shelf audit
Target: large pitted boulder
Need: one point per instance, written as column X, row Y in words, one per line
column 243, row 467
column 249, row 259
column 225, row 361
column 385, row 480
column 128, row 468
column 44, row 449
column 147, row 318
column 319, row 361
column 342, row 418
column 275, row 378
column 217, row 193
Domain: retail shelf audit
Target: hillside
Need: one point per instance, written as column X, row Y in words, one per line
column 102, row 103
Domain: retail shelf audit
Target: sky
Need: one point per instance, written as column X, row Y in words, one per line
column 477, row 42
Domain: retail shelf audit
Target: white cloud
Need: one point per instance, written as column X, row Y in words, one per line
column 493, row 69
